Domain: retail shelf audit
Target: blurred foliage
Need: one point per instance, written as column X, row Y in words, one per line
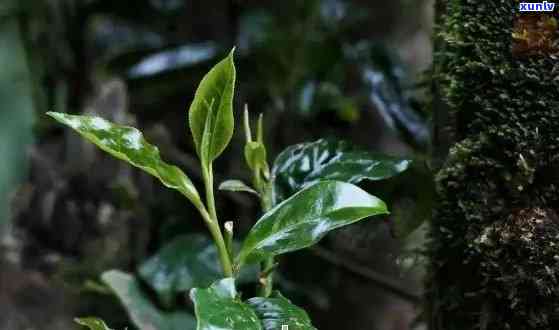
column 143, row 313
column 186, row 262
column 302, row 56
column 17, row 92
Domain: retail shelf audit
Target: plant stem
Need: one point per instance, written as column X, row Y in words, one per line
column 267, row 282
column 228, row 228
column 209, row 184
column 263, row 186
column 210, row 217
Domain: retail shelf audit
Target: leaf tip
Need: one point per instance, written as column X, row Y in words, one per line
column 383, row 207
column 231, row 57
column 54, row 114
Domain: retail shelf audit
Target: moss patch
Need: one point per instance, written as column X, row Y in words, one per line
column 494, row 233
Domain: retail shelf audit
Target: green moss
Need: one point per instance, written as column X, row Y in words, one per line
column 494, row 258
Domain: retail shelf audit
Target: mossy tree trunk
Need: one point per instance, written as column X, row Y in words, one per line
column 494, row 244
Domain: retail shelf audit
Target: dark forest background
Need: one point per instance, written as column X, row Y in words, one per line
column 351, row 70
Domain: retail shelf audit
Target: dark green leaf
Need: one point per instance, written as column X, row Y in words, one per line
column 128, row 144
column 303, row 219
column 211, row 111
column 218, row 307
column 92, row 323
column 141, row 311
column 186, row 262
column 303, row 164
column 276, row 311
column 236, row 185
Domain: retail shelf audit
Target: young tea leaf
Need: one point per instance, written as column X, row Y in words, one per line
column 236, row 186
column 218, row 307
column 277, row 311
column 255, row 156
column 142, row 312
column 303, row 219
column 303, row 164
column 92, row 323
column 128, row 144
column 211, row 111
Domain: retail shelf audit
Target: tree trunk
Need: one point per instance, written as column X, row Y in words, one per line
column 494, row 240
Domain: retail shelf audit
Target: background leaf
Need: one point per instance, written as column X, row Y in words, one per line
column 277, row 311
column 141, row 311
column 303, row 164
column 386, row 86
column 128, row 144
column 236, row 185
column 303, row 219
column 92, row 323
column 186, row 262
column 415, row 191
column 218, row 307
column 211, row 111
column 18, row 103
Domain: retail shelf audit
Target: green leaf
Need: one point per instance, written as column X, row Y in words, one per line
column 236, row 186
column 255, row 156
column 141, row 311
column 211, row 111
column 303, row 164
column 128, row 144
column 303, row 219
column 218, row 307
column 186, row 262
column 276, row 311
column 92, row 323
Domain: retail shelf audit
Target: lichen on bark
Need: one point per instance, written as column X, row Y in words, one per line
column 494, row 239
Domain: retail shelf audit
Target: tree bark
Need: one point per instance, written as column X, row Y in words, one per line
column 494, row 238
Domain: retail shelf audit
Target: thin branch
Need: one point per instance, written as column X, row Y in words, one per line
column 367, row 273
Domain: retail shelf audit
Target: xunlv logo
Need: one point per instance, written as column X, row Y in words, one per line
column 536, row 6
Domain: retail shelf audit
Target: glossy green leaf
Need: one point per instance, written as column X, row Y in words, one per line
column 186, row 262
column 303, row 219
column 142, row 312
column 236, row 186
column 211, row 111
column 276, row 311
column 128, row 144
column 92, row 323
column 218, row 307
column 303, row 164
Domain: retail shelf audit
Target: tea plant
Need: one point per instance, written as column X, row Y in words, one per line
column 308, row 192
